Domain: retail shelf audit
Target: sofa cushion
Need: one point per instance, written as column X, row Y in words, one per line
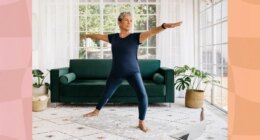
column 158, row 78
column 90, row 68
column 100, row 68
column 148, row 67
column 151, row 88
column 67, row 78
column 96, row 87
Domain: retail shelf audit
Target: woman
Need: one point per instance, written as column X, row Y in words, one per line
column 125, row 64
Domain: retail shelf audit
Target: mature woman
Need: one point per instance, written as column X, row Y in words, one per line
column 125, row 63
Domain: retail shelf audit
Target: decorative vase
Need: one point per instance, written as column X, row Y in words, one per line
column 42, row 90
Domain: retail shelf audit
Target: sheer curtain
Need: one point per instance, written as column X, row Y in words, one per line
column 55, row 39
column 175, row 47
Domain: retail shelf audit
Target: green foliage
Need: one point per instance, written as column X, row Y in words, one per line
column 124, row 8
column 89, row 18
column 191, row 78
column 40, row 78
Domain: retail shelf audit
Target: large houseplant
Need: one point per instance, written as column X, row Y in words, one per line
column 40, row 87
column 191, row 79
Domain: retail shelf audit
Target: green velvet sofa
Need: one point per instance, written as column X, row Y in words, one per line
column 84, row 81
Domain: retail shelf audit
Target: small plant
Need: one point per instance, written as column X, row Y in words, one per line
column 40, row 78
column 191, row 78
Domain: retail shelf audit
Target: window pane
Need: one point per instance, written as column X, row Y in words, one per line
column 152, row 21
column 224, row 32
column 152, row 41
column 109, row 0
column 93, row 9
column 218, row 78
column 217, row 96
column 140, row 9
column 107, row 51
column 140, row 0
column 225, row 55
column 92, row 43
column 203, row 37
column 224, row 9
column 207, row 88
column 216, row 1
column 123, row 0
column 202, row 19
column 93, row 53
column 224, row 99
column 110, row 9
column 82, row 9
column 225, row 77
column 140, row 22
column 217, row 70
column 209, row 16
column 209, row 54
column 209, row 36
column 82, row 42
column 204, row 55
column 218, row 55
column 82, row 22
column 217, row 34
column 217, row 13
column 82, row 53
column 151, row 53
column 144, row 44
column 142, row 53
column 89, row 1
column 151, row 9
column 124, row 8
column 210, row 69
column 225, row 65
column 93, row 24
column 109, row 23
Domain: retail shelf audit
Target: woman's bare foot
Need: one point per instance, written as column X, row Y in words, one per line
column 143, row 127
column 91, row 114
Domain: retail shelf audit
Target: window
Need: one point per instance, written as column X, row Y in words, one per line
column 213, row 46
column 100, row 16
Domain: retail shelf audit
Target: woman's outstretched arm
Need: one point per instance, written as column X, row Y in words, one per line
column 95, row 36
column 156, row 30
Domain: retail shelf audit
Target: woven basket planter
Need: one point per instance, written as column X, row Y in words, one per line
column 194, row 98
column 39, row 103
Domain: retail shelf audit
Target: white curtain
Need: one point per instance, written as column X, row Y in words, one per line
column 55, row 40
column 175, row 47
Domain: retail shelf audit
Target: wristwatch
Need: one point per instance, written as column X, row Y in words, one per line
column 163, row 26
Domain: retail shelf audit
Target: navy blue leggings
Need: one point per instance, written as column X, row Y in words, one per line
column 135, row 80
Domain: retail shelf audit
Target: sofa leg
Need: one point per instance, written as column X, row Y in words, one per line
column 170, row 105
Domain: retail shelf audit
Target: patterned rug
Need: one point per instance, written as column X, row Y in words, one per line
column 164, row 122
column 65, row 122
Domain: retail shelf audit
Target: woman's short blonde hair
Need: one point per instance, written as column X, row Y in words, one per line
column 122, row 14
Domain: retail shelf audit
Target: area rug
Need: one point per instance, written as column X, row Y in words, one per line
column 164, row 123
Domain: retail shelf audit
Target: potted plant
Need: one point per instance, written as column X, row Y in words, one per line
column 40, row 91
column 40, row 87
column 190, row 79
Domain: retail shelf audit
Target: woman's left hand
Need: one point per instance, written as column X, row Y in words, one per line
column 172, row 25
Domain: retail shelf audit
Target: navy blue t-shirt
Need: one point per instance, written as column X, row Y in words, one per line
column 124, row 53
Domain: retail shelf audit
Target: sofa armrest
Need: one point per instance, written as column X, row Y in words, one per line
column 54, row 84
column 168, row 74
